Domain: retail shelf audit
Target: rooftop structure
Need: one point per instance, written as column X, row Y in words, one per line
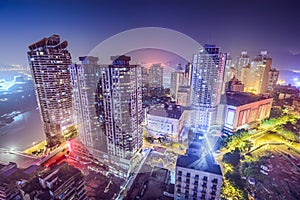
column 170, row 110
column 61, row 182
column 234, row 85
column 241, row 98
column 204, row 164
column 198, row 176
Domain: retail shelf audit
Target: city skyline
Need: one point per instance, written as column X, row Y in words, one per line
column 148, row 100
column 254, row 30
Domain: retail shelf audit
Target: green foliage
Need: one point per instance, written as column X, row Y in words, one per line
column 229, row 191
column 232, row 158
column 275, row 112
column 236, row 180
column 252, row 168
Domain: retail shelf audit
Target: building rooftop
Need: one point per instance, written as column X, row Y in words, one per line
column 168, row 110
column 205, row 163
column 235, row 80
column 63, row 172
column 151, row 185
column 289, row 89
column 241, row 98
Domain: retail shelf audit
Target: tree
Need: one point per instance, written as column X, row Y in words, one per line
column 232, row 158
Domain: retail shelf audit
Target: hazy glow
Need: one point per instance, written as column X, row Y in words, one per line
column 146, row 37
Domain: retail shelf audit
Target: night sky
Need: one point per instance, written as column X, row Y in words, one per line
column 233, row 25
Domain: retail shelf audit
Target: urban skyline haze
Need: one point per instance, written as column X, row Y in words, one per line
column 233, row 25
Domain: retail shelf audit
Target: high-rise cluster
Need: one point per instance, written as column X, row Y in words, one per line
column 257, row 75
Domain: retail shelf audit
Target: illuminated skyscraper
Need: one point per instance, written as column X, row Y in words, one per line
column 258, row 79
column 178, row 78
column 229, row 71
column 245, row 75
column 242, row 61
column 122, row 99
column 155, row 76
column 85, row 78
column 49, row 61
column 145, row 81
column 207, row 79
column 273, row 78
column 180, row 81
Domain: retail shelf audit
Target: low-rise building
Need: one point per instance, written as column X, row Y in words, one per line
column 286, row 92
column 8, row 185
column 198, row 176
column 244, row 110
column 60, row 182
column 165, row 120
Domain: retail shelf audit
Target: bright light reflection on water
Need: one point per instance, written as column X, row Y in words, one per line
column 22, row 132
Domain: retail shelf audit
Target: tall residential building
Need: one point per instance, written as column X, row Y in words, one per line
column 122, row 99
column 49, row 61
column 242, row 61
column 273, row 78
column 229, row 72
column 178, row 78
column 257, row 80
column 207, row 80
column 85, row 79
column 245, row 74
column 145, row 81
column 155, row 76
